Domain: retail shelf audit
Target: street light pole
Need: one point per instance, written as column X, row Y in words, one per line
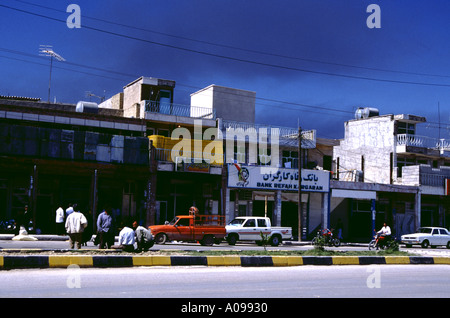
column 300, row 210
column 46, row 50
column 50, row 78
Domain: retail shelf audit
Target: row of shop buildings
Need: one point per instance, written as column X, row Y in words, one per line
column 142, row 156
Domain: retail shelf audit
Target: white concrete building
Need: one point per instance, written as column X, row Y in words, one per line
column 411, row 172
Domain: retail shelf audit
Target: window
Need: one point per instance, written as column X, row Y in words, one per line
column 327, row 163
column 262, row 223
column 183, row 222
column 406, row 128
column 362, row 206
column 290, row 159
column 425, row 230
column 404, row 161
column 250, row 223
column 163, row 132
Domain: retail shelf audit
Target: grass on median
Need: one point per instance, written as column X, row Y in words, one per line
column 213, row 252
column 311, row 252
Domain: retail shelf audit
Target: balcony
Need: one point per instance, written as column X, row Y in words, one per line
column 423, row 145
column 179, row 110
column 287, row 136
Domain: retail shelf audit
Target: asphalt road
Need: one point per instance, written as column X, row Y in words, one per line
column 380, row 281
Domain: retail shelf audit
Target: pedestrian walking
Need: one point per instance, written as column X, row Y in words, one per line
column 75, row 224
column 59, row 221
column 105, row 230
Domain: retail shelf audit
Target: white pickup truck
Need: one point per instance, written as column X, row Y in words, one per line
column 249, row 228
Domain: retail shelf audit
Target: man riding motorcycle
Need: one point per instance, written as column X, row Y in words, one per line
column 385, row 234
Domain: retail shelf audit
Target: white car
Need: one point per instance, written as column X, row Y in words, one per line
column 427, row 236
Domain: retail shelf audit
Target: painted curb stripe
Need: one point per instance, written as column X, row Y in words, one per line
column 256, row 261
column 441, row 260
column 346, row 260
column 28, row 261
column 67, row 260
column 188, row 260
column 112, row 261
column 63, row 261
column 317, row 260
column 421, row 260
column 151, row 260
column 223, row 260
column 397, row 260
column 371, row 260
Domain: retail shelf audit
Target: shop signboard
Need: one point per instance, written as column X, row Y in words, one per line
column 269, row 178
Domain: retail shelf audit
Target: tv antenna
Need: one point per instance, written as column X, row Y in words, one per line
column 90, row 94
column 47, row 50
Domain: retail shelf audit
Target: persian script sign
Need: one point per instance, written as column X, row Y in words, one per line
column 267, row 178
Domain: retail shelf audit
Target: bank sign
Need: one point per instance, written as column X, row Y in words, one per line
column 268, row 178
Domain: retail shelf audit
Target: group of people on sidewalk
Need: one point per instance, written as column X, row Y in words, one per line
column 131, row 233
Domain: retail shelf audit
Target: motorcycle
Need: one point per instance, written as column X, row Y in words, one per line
column 7, row 226
column 381, row 242
column 328, row 236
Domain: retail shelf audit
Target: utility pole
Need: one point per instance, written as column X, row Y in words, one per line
column 300, row 163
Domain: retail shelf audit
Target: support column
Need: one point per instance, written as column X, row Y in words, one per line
column 417, row 209
column 300, row 205
column 441, row 211
column 277, row 209
column 325, row 211
column 32, row 196
column 150, row 216
column 94, row 197
column 374, row 215
column 229, row 214
column 151, row 201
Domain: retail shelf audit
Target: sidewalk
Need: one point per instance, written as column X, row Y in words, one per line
column 54, row 237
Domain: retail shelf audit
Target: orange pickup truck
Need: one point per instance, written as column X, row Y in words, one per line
column 206, row 229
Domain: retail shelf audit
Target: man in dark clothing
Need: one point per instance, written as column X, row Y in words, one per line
column 22, row 219
column 105, row 229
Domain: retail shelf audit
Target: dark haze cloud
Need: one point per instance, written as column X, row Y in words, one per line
column 412, row 39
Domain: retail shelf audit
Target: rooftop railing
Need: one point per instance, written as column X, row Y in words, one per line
column 179, row 110
column 287, row 135
column 423, row 142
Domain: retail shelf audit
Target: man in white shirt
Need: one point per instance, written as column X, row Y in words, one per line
column 385, row 230
column 386, row 233
column 75, row 224
column 126, row 239
column 59, row 221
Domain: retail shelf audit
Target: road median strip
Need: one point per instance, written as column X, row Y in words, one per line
column 103, row 261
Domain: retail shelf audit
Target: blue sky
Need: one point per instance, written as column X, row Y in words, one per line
column 311, row 62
